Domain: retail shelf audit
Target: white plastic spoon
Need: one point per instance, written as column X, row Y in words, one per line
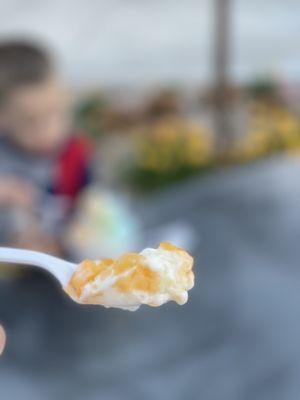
column 61, row 269
column 169, row 265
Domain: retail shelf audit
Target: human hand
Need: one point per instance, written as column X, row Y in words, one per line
column 2, row 339
column 14, row 191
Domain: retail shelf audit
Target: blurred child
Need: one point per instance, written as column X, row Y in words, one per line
column 43, row 167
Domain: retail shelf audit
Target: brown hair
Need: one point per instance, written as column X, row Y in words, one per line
column 21, row 63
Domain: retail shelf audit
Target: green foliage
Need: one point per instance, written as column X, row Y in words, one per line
column 89, row 115
column 263, row 88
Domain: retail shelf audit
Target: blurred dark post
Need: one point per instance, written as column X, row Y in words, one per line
column 222, row 120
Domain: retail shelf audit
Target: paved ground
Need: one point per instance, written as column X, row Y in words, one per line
column 238, row 337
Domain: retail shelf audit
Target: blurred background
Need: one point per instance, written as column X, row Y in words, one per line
column 185, row 126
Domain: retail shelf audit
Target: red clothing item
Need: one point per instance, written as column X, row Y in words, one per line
column 72, row 168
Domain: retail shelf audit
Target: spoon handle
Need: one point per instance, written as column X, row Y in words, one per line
column 61, row 269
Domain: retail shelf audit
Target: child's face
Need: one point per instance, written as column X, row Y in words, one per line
column 36, row 116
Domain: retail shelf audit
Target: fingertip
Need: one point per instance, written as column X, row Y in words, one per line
column 2, row 339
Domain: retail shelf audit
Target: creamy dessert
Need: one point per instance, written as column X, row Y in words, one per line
column 153, row 277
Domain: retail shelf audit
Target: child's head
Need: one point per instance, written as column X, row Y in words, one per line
column 33, row 102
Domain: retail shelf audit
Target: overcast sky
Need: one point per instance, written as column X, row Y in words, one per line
column 142, row 42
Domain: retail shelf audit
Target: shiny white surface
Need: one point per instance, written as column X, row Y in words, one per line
column 61, row 269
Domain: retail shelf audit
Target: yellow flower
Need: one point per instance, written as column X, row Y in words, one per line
column 271, row 129
column 171, row 144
